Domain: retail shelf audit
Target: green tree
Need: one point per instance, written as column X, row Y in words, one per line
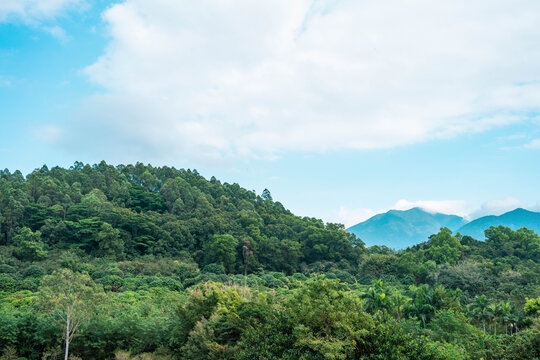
column 72, row 297
column 505, row 311
column 29, row 245
column 532, row 306
column 266, row 195
column 376, row 298
column 425, row 302
column 480, row 310
column 109, row 242
column 221, row 249
column 444, row 248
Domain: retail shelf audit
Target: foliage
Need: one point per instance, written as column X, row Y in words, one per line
column 143, row 262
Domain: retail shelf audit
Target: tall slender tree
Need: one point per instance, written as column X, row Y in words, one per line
column 71, row 297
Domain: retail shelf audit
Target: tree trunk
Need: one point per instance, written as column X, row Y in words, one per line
column 67, row 337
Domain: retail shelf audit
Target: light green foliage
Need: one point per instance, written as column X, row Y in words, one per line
column 453, row 327
column 377, row 298
column 444, row 248
column 72, row 297
column 29, row 245
column 532, row 306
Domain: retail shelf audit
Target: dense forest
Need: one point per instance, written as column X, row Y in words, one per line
column 142, row 262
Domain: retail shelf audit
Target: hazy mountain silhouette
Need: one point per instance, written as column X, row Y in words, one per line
column 514, row 219
column 399, row 229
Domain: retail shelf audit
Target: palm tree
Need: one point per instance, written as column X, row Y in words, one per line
column 398, row 304
column 376, row 299
column 505, row 311
column 493, row 313
column 425, row 301
column 480, row 310
column 515, row 318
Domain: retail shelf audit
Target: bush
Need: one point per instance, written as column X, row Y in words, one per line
column 7, row 283
column 7, row 269
column 214, row 269
column 111, row 281
column 86, row 267
column 271, row 282
column 34, row 271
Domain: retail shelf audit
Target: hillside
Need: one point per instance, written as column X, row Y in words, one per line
column 399, row 229
column 514, row 219
column 130, row 211
column 154, row 263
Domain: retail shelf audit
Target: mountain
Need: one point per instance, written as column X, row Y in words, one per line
column 399, row 229
column 514, row 219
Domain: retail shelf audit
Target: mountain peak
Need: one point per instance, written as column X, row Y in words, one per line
column 513, row 219
column 518, row 211
column 399, row 229
column 411, row 210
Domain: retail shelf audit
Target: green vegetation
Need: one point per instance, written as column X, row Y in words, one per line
column 137, row 262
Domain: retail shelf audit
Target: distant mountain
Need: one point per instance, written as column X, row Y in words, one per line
column 514, row 219
column 399, row 229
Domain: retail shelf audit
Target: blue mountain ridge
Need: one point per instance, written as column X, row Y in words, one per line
column 514, row 219
column 399, row 229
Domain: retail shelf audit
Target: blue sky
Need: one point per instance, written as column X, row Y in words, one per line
column 341, row 108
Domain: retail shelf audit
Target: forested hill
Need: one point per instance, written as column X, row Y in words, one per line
column 128, row 211
column 143, row 263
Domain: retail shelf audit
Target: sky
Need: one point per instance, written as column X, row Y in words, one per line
column 341, row 108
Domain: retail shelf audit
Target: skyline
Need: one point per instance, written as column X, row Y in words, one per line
column 341, row 109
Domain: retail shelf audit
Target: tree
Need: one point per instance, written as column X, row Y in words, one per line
column 493, row 313
column 109, row 241
column 425, row 302
column 266, row 195
column 29, row 245
column 170, row 193
column 246, row 253
column 222, row 250
column 444, row 248
column 398, row 304
column 72, row 297
column 480, row 310
column 376, row 298
column 505, row 313
column 532, row 306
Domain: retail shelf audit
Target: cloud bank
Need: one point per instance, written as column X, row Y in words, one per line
column 243, row 78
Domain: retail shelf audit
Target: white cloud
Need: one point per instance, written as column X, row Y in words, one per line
column 498, row 207
column 57, row 32
column 227, row 78
column 451, row 207
column 350, row 217
column 33, row 10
